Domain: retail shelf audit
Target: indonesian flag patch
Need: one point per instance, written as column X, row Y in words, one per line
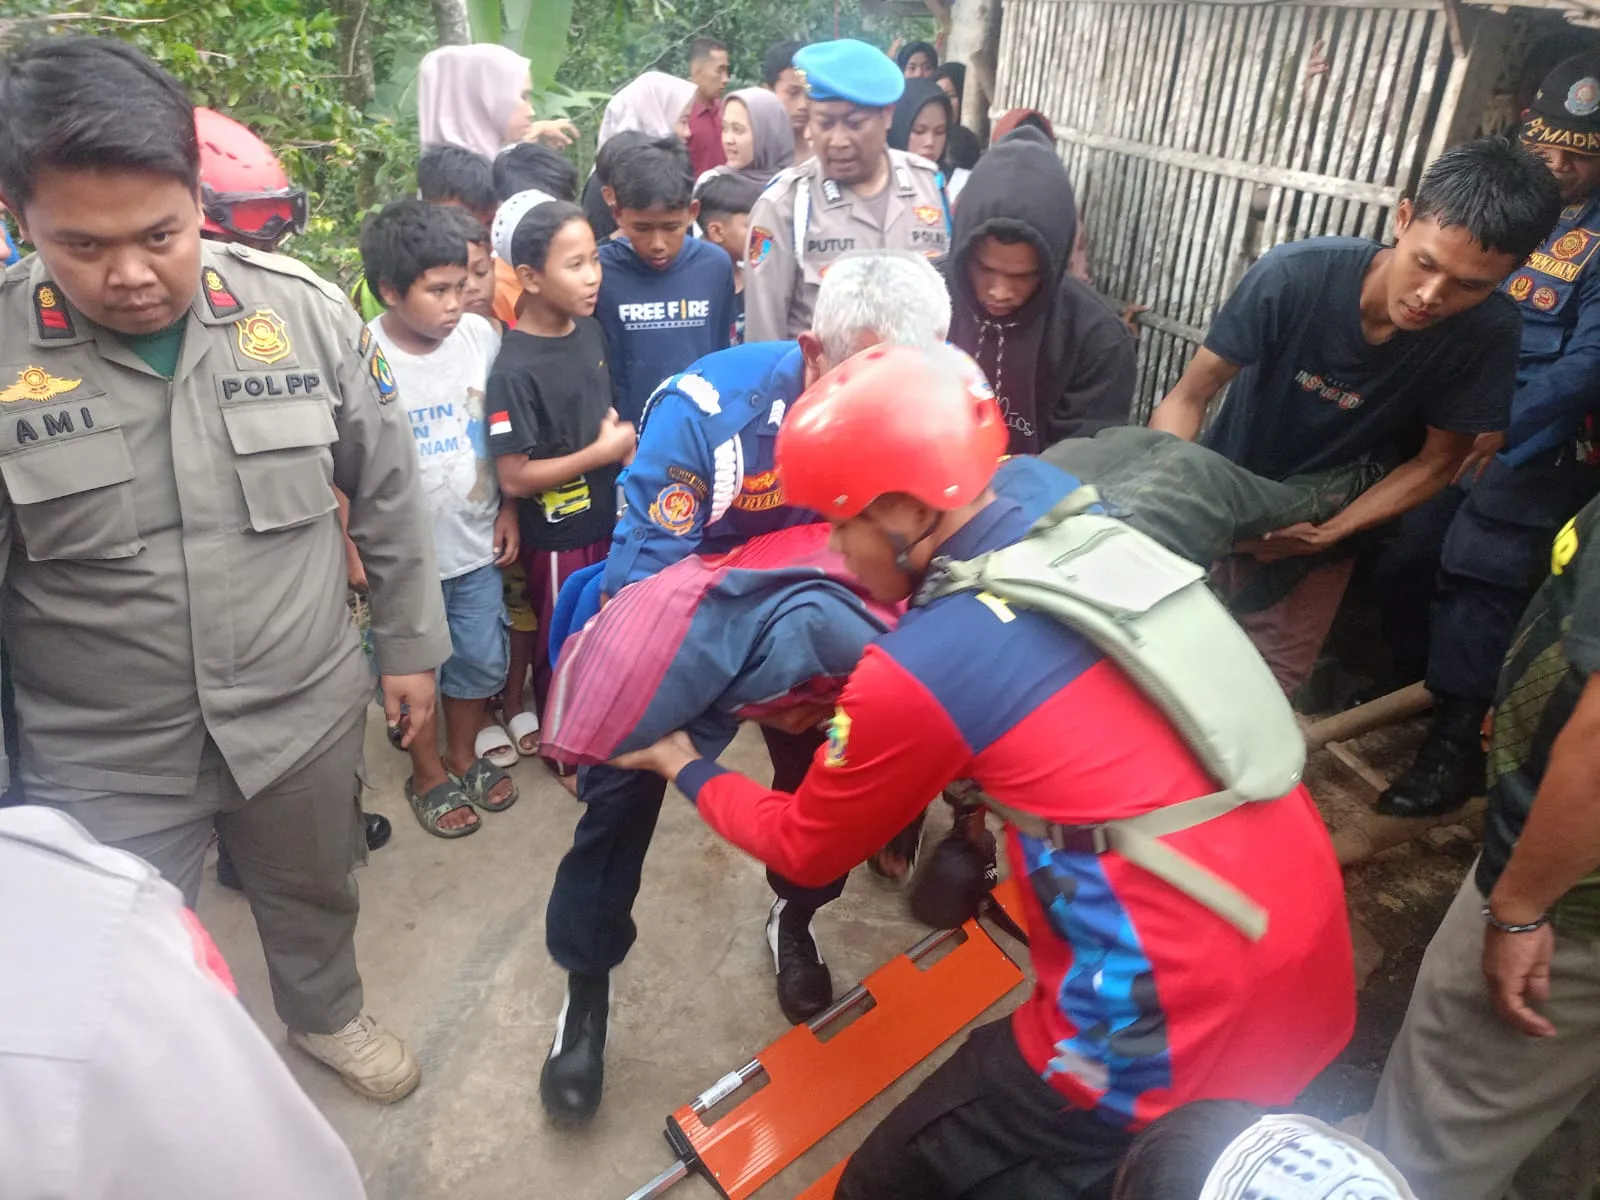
column 499, row 422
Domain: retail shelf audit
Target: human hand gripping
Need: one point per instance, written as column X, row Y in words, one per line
column 666, row 758
column 1484, row 447
column 1292, row 541
column 411, row 694
column 617, row 440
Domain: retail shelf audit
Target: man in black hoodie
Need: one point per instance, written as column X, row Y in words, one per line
column 1059, row 357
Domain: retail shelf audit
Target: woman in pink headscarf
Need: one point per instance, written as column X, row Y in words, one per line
column 477, row 97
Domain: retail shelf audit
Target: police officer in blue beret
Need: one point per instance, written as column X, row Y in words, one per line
column 1480, row 549
column 856, row 194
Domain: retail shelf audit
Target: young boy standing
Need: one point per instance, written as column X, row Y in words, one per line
column 556, row 438
column 666, row 299
column 416, row 257
column 725, row 203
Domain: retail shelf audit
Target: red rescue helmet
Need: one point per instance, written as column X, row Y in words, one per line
column 244, row 190
column 923, row 422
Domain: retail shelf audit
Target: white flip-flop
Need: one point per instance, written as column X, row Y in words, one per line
column 522, row 725
column 494, row 744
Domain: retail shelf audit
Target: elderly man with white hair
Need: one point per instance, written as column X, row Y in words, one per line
column 703, row 482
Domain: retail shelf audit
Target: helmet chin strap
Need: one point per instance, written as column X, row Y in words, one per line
column 903, row 548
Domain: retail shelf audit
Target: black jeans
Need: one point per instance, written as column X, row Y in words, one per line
column 1454, row 581
column 589, row 920
column 984, row 1126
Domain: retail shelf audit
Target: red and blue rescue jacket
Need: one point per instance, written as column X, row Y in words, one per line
column 1144, row 1000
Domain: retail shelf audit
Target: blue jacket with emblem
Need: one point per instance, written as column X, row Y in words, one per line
column 704, row 478
column 1558, row 374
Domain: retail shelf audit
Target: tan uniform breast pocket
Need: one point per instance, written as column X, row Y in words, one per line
column 73, row 497
column 282, row 459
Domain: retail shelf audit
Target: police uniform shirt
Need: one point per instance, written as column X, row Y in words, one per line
column 803, row 223
column 172, row 548
column 1558, row 373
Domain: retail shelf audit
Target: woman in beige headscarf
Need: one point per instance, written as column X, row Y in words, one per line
column 476, row 97
column 654, row 104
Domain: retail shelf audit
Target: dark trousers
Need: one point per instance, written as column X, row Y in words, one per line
column 984, row 1126
column 1462, row 568
column 589, row 921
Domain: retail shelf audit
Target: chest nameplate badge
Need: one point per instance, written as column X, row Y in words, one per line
column 219, row 296
column 263, row 337
column 37, row 384
column 51, row 315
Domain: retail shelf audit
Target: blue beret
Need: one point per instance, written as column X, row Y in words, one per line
column 850, row 70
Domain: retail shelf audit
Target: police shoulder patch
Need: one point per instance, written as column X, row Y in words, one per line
column 219, row 296
column 51, row 315
column 382, row 376
column 760, row 245
column 674, row 509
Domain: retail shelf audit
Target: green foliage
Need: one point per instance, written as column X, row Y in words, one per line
column 274, row 65
column 280, row 67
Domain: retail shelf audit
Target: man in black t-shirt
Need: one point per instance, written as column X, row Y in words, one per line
column 1342, row 350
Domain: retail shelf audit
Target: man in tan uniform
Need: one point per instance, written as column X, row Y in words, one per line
column 856, row 194
column 173, row 418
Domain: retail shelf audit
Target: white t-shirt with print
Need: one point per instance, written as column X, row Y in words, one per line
column 442, row 394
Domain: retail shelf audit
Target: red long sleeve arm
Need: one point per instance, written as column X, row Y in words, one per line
column 890, row 748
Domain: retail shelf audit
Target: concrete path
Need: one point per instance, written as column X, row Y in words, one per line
column 451, row 946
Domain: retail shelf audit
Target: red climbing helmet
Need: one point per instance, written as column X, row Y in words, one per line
column 892, row 419
column 244, row 191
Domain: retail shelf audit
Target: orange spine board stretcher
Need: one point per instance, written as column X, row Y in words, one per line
column 813, row 1086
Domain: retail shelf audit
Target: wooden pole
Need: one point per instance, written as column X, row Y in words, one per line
column 1364, row 718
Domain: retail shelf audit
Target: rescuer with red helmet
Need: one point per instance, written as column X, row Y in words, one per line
column 245, row 193
column 1146, row 997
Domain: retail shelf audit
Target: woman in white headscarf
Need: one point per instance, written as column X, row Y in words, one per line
column 654, row 104
column 477, row 97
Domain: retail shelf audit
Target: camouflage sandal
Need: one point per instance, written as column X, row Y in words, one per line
column 440, row 800
column 480, row 779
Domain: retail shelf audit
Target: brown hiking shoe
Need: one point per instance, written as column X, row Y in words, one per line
column 370, row 1059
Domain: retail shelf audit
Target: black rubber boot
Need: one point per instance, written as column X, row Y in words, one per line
column 960, row 872
column 378, row 829
column 805, row 985
column 1449, row 769
column 574, row 1073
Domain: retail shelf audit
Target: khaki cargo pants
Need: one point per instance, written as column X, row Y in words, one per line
column 1470, row 1109
column 296, row 845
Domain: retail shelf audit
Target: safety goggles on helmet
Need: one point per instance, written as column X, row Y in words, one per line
column 259, row 216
